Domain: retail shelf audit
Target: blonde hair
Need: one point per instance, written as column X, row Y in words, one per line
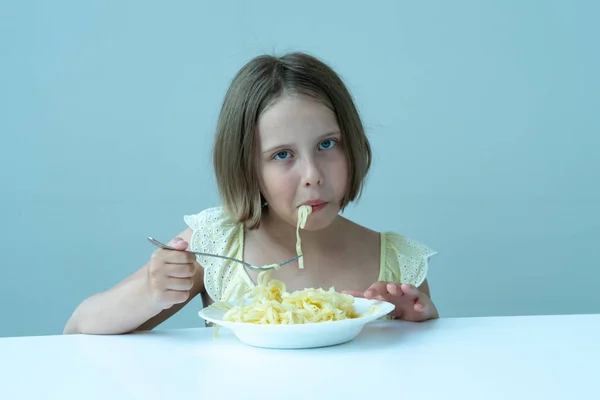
column 257, row 85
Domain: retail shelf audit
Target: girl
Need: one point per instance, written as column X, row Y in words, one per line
column 288, row 134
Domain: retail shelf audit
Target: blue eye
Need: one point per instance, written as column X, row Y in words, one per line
column 281, row 155
column 327, row 144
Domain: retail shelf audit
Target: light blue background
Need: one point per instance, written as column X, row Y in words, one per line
column 484, row 118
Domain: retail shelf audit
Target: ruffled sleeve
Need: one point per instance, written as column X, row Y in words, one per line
column 404, row 260
column 215, row 232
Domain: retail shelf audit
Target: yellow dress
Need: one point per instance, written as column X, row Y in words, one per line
column 214, row 231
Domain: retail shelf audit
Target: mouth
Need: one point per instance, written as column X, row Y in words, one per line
column 316, row 204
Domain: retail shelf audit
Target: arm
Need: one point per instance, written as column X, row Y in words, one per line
column 128, row 306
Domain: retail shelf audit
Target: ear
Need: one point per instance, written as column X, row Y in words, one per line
column 263, row 202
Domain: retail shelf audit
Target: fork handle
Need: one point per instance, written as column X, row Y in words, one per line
column 223, row 257
column 166, row 247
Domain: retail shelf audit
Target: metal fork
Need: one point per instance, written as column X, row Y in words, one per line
column 250, row 266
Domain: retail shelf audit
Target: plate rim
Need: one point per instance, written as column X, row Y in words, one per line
column 362, row 320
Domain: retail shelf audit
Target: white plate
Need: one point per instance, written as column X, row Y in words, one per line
column 300, row 336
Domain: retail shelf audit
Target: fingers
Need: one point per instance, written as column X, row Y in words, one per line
column 410, row 303
column 171, row 297
column 413, row 293
column 354, row 293
column 174, row 256
column 425, row 307
column 178, row 283
column 171, row 274
column 398, row 289
column 410, row 290
column 180, row 270
column 178, row 243
column 376, row 289
column 172, row 277
column 167, row 291
column 419, row 306
column 379, row 290
column 383, row 290
column 394, row 289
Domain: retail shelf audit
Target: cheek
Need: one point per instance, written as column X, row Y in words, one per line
column 277, row 184
column 339, row 173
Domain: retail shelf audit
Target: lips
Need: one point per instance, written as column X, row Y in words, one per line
column 314, row 203
column 317, row 205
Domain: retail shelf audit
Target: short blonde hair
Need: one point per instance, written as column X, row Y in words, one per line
column 257, row 85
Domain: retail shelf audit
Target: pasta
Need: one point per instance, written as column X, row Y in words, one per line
column 269, row 302
column 303, row 213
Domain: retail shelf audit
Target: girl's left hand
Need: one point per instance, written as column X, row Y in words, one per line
column 411, row 304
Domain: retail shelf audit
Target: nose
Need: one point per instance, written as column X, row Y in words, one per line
column 312, row 175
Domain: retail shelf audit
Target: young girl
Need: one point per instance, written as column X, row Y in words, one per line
column 288, row 135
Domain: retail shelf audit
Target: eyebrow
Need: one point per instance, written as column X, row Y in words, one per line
column 283, row 146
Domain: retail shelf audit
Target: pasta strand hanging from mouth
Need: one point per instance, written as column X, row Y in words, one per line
column 303, row 213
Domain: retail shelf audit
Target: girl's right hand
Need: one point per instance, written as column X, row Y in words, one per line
column 171, row 274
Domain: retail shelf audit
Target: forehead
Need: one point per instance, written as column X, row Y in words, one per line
column 291, row 118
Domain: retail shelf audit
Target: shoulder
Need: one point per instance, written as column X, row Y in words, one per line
column 404, row 259
column 354, row 231
column 405, row 245
column 209, row 217
column 213, row 230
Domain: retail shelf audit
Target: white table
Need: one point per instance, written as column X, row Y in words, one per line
column 543, row 357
